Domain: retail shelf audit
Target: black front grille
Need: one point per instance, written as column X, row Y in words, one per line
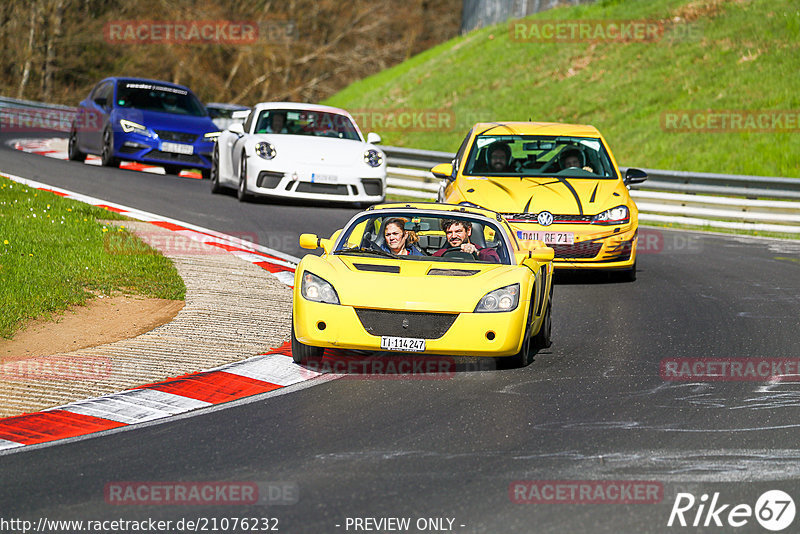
column 129, row 149
column 177, row 137
column 173, row 156
column 372, row 187
column 587, row 249
column 328, row 189
column 269, row 179
column 417, row 324
column 557, row 219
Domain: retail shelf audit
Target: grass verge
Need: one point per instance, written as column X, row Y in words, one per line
column 54, row 254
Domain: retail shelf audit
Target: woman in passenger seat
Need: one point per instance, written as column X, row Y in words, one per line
column 398, row 240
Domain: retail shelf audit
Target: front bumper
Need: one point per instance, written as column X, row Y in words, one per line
column 594, row 247
column 469, row 334
column 305, row 184
column 141, row 148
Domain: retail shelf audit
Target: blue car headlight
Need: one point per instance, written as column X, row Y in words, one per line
column 373, row 158
column 130, row 126
column 500, row 300
column 265, row 150
column 316, row 289
column 618, row 215
column 211, row 136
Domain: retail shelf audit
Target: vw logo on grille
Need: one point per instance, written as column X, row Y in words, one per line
column 545, row 218
column 405, row 323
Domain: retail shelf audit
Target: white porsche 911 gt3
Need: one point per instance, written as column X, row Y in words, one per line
column 306, row 151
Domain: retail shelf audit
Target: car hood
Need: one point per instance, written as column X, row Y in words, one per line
column 558, row 195
column 458, row 288
column 328, row 151
column 156, row 120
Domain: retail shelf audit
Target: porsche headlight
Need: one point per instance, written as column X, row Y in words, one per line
column 265, row 150
column 500, row 300
column 373, row 158
column 618, row 215
column 130, row 126
column 316, row 289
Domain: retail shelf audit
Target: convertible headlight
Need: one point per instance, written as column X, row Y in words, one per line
column 316, row 289
column 373, row 158
column 265, row 150
column 500, row 300
column 211, row 136
column 130, row 126
column 618, row 215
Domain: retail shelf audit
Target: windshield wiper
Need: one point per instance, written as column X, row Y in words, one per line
column 365, row 250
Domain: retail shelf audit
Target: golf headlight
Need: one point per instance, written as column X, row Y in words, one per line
column 500, row 300
column 316, row 289
column 618, row 215
column 265, row 150
column 211, row 136
column 130, row 126
column 373, row 158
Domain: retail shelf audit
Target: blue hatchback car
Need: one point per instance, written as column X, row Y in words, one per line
column 148, row 121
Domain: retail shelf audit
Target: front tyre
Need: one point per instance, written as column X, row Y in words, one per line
column 523, row 357
column 214, row 172
column 73, row 153
column 302, row 354
column 628, row 275
column 107, row 158
column 542, row 338
column 241, row 192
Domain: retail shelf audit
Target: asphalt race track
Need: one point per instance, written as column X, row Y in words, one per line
column 592, row 407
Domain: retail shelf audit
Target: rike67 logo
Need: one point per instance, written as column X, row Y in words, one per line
column 774, row 510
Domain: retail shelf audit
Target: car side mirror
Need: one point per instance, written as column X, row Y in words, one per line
column 309, row 241
column 539, row 252
column 635, row 176
column 543, row 254
column 443, row 171
column 373, row 138
column 236, row 128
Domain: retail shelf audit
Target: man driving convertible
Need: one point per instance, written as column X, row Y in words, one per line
column 458, row 235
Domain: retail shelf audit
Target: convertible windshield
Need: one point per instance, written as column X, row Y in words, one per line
column 303, row 122
column 537, row 155
column 163, row 98
column 415, row 236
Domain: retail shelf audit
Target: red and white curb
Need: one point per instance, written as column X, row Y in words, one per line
column 259, row 374
column 57, row 148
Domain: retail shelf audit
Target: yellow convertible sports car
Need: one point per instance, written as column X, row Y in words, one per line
column 425, row 278
column 558, row 183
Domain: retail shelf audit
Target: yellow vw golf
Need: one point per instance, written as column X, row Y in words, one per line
column 556, row 183
column 423, row 278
